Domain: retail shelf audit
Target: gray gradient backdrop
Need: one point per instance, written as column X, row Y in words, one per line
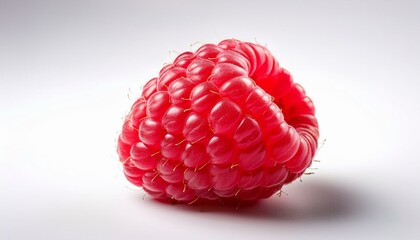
column 66, row 68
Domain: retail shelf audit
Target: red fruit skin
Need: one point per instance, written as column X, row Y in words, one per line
column 224, row 123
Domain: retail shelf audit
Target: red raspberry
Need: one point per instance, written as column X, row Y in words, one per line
column 225, row 122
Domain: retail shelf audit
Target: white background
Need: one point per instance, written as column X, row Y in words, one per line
column 66, row 68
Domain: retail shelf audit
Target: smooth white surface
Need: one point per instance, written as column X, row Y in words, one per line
column 66, row 68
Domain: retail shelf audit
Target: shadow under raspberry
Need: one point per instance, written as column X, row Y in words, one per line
column 307, row 201
column 312, row 201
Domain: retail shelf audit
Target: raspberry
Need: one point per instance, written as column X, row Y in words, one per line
column 226, row 122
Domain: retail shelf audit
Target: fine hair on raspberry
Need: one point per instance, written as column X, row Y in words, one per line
column 225, row 122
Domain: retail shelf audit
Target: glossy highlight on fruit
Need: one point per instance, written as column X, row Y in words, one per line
column 224, row 122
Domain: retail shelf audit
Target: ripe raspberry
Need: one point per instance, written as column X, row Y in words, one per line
column 225, row 122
